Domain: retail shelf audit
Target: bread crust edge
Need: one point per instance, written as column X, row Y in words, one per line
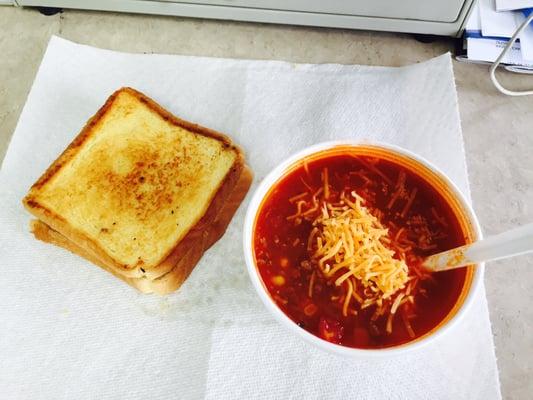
column 57, row 223
column 182, row 267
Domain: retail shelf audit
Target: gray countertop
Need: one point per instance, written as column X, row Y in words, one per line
column 498, row 130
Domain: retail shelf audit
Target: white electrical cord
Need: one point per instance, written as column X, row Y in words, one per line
column 500, row 57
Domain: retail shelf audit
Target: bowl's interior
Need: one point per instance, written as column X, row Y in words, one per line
column 430, row 174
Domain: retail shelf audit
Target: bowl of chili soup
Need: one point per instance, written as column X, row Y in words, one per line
column 334, row 238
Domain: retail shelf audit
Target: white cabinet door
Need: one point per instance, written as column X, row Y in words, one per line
column 421, row 10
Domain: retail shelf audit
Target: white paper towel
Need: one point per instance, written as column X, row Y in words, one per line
column 72, row 331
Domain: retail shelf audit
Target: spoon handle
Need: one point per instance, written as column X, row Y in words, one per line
column 507, row 244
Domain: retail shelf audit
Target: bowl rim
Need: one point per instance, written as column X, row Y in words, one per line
column 253, row 207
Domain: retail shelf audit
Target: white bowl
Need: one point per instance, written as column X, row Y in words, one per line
column 273, row 177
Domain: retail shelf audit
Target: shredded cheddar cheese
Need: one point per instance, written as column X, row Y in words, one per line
column 349, row 248
column 349, row 243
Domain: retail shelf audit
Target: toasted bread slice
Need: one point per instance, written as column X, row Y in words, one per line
column 182, row 267
column 137, row 186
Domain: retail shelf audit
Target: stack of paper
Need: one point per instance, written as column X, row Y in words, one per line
column 509, row 5
column 489, row 28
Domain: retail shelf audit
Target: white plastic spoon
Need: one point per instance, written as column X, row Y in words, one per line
column 507, row 244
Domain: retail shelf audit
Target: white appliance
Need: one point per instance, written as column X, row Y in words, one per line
column 434, row 17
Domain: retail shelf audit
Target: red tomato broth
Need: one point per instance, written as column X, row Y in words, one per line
column 280, row 247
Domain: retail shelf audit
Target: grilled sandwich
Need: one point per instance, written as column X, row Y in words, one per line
column 140, row 192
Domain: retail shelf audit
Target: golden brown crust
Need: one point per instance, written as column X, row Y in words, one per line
column 88, row 129
column 57, row 223
column 216, row 207
column 167, row 116
column 182, row 269
column 46, row 234
column 75, row 145
column 183, row 265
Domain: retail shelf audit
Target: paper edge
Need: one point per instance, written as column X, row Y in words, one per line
column 283, row 63
column 469, row 198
